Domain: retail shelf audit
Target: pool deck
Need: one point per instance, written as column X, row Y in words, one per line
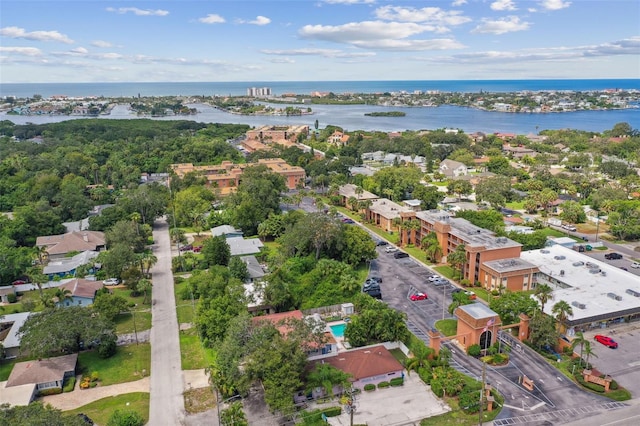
column 340, row 342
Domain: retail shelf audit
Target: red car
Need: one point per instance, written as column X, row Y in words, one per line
column 606, row 340
column 19, row 282
column 418, row 296
column 197, row 249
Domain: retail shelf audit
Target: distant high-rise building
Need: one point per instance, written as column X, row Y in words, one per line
column 259, row 91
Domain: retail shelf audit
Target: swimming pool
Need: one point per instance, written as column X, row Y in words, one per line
column 338, row 329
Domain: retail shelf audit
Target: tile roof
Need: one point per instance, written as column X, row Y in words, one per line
column 366, row 362
column 82, row 288
column 42, row 371
column 72, row 241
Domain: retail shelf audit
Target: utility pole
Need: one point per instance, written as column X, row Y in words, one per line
column 484, row 377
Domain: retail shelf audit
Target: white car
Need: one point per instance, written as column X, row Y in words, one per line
column 635, row 265
column 111, row 281
column 391, row 249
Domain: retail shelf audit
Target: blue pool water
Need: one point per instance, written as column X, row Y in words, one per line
column 338, row 329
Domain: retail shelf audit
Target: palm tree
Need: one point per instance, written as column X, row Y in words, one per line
column 562, row 310
column 144, row 285
column 37, row 277
column 326, row 377
column 411, row 226
column 588, row 352
column 579, row 340
column 543, row 293
column 42, row 254
column 458, row 258
column 420, row 359
column 148, row 260
column 62, row 295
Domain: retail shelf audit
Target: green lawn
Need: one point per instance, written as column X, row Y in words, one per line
column 5, row 369
column 448, row 327
column 447, row 271
column 125, row 366
column 125, row 322
column 515, row 205
column 481, row 293
column 399, row 355
column 184, row 308
column 193, row 355
column 99, row 411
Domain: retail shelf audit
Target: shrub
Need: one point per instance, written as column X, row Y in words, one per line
column 474, row 350
column 469, row 402
column 332, row 411
column 397, row 381
column 125, row 418
column 50, row 391
column 465, row 282
column 369, row 387
column 69, row 384
column 12, row 298
column 382, row 385
column 95, row 376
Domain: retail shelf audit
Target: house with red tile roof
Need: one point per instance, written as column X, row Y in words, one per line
column 370, row 365
column 58, row 246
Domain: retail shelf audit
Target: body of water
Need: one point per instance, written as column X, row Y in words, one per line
column 24, row 90
column 351, row 118
column 338, row 329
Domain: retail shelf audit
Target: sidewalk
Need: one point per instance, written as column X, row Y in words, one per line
column 80, row 397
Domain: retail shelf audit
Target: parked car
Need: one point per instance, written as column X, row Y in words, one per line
column 569, row 227
column 376, row 280
column 381, row 243
column 440, row 282
column 19, row 282
column 197, row 249
column 391, row 249
column 613, row 256
column 635, row 265
column 606, row 340
column 469, row 293
column 347, row 220
column 186, row 247
column 400, row 254
column 375, row 293
column 111, row 281
column 433, row 278
column 418, row 296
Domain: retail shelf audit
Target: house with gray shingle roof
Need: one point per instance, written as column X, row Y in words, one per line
column 58, row 246
column 47, row 373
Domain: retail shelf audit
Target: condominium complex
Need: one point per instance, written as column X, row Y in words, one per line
column 226, row 176
column 259, row 91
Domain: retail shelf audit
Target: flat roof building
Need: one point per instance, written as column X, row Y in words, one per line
column 599, row 293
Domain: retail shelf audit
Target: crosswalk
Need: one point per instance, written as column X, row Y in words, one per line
column 559, row 416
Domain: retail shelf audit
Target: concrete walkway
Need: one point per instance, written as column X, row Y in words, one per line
column 80, row 397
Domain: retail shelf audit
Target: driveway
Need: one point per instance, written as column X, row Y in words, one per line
column 403, row 405
column 79, row 397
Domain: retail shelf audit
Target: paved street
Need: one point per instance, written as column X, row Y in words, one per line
column 166, row 403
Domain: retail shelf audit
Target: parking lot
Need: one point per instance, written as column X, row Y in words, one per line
column 623, row 363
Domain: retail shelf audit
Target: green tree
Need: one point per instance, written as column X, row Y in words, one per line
column 431, row 246
column 109, row 305
column 57, row 330
column 358, row 246
column 115, row 260
column 543, row 293
column 428, row 195
column 459, row 187
column 191, row 204
column 572, row 212
column 562, row 310
column 511, row 304
column 144, row 286
column 125, row 418
column 127, row 233
column 216, row 251
column 419, row 360
column 257, row 196
column 238, row 269
column 233, row 416
column 497, row 191
column 579, row 340
column 543, row 331
column 36, row 414
column 327, row 377
column 458, row 258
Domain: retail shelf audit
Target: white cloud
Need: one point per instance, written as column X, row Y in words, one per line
column 433, row 15
column 281, row 61
column 101, row 43
column 503, row 5
column 109, row 56
column 501, row 26
column 362, row 31
column 23, row 51
column 327, row 53
column 138, row 12
column 212, row 18
column 412, row 45
column 457, row 3
column 260, row 20
column 79, row 51
column 554, row 4
column 349, row 1
column 15, row 32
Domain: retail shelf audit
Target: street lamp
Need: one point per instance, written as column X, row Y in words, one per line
column 597, row 224
column 218, row 402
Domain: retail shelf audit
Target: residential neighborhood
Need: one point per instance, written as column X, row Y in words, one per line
column 476, row 276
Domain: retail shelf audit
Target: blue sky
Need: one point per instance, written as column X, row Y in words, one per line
column 239, row 40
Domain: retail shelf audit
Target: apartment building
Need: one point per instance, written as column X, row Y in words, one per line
column 274, row 134
column 226, row 176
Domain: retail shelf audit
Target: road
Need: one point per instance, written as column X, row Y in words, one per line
column 166, row 401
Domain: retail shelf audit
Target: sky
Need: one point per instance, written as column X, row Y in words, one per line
column 69, row 41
